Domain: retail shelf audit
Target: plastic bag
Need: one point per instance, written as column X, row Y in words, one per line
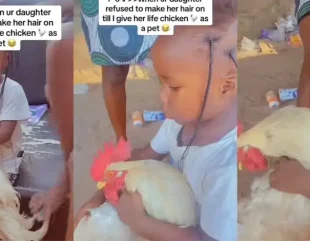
column 248, row 44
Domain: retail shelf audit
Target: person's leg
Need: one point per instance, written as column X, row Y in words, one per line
column 59, row 78
column 304, row 83
column 114, row 48
column 114, row 92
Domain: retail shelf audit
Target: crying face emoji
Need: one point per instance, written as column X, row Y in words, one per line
column 165, row 28
column 12, row 42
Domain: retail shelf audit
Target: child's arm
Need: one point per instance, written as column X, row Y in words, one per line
column 291, row 177
column 306, row 191
column 94, row 202
column 146, row 153
column 131, row 211
column 159, row 146
column 154, row 230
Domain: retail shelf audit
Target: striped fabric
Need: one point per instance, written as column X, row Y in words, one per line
column 302, row 9
column 112, row 45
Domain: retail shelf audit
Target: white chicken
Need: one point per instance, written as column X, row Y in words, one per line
column 13, row 225
column 268, row 214
column 165, row 193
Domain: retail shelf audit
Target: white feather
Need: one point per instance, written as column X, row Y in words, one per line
column 270, row 215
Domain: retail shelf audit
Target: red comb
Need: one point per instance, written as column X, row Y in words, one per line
column 252, row 159
column 120, row 152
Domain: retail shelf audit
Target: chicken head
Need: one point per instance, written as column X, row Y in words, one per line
column 249, row 156
column 111, row 181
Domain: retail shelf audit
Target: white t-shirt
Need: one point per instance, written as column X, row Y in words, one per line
column 13, row 107
column 211, row 171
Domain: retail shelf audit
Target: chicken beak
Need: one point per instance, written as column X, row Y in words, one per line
column 101, row 185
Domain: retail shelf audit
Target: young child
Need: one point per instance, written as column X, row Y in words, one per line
column 14, row 110
column 198, row 73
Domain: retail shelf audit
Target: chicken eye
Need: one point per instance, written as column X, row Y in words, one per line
column 110, row 174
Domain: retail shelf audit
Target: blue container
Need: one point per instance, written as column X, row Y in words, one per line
column 151, row 116
column 288, row 94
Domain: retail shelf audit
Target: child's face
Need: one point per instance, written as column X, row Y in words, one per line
column 4, row 60
column 182, row 63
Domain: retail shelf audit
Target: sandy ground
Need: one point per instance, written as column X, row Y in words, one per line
column 256, row 77
column 256, row 15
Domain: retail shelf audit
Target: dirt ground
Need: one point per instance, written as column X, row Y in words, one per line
column 256, row 76
column 256, row 15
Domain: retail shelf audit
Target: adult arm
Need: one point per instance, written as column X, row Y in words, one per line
column 59, row 78
column 303, row 17
column 6, row 130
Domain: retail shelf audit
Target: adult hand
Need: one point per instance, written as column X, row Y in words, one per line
column 291, row 177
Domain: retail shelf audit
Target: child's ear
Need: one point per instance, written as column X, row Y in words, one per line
column 230, row 83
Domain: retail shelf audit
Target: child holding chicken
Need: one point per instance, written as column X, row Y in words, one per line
column 14, row 111
column 198, row 73
column 291, row 176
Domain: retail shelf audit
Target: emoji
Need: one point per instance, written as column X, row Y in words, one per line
column 41, row 32
column 165, row 27
column 12, row 42
column 194, row 18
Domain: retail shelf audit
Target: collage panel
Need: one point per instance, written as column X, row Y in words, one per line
column 155, row 120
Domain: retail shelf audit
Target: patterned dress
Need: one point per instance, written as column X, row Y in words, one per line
column 302, row 9
column 112, row 45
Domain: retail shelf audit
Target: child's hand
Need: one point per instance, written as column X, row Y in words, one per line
column 291, row 177
column 84, row 211
column 130, row 209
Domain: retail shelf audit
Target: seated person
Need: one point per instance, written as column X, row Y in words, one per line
column 14, row 109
